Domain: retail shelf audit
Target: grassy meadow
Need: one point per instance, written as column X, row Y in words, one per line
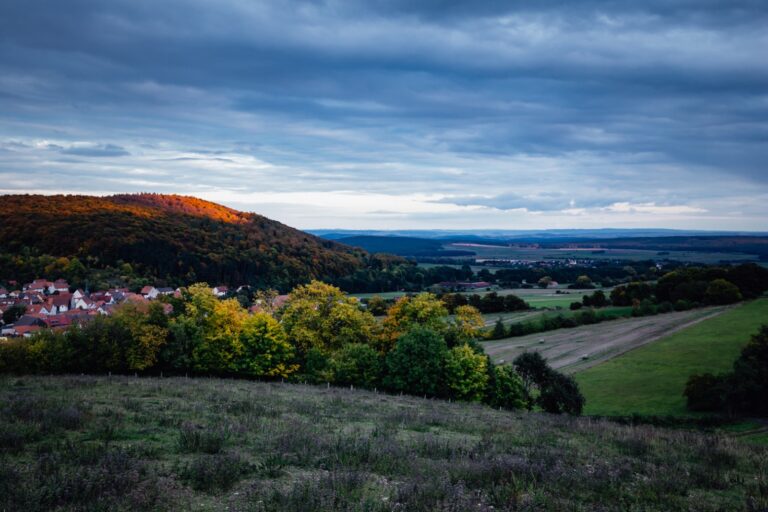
column 121, row 443
column 650, row 380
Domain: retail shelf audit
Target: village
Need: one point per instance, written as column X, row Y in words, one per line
column 44, row 304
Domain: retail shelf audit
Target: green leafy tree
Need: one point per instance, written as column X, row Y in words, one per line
column 377, row 306
column 583, row 283
column 13, row 313
column 532, row 368
column 317, row 368
column 560, row 394
column 146, row 333
column 499, row 331
column 220, row 343
column 265, row 351
column 750, row 376
column 358, row 365
column 417, row 363
column 557, row 393
column 466, row 373
column 721, row 291
column 505, row 388
column 184, row 336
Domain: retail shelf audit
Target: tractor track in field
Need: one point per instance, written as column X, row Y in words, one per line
column 579, row 348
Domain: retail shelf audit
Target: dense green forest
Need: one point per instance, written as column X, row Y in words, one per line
column 175, row 239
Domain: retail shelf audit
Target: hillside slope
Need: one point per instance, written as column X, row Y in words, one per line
column 210, row 444
column 175, row 238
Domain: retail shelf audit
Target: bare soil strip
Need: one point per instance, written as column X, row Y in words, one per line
column 574, row 350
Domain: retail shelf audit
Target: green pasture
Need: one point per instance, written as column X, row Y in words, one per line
column 650, row 380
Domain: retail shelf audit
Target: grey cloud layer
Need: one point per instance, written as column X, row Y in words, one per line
column 545, row 105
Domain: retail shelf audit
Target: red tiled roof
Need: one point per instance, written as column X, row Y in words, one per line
column 62, row 299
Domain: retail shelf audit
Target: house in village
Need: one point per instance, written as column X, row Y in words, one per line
column 59, row 285
column 150, row 292
column 61, row 302
column 38, row 285
column 220, row 290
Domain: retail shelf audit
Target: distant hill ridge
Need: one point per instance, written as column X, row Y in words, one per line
column 171, row 237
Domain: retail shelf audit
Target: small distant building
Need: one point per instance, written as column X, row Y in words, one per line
column 464, row 286
column 59, row 285
column 149, row 292
column 38, row 285
column 82, row 303
column 25, row 326
column 61, row 302
column 220, row 290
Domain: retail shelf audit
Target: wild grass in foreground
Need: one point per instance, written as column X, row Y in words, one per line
column 99, row 443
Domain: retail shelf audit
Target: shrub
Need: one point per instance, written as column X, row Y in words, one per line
column 338, row 490
column 214, row 472
column 196, row 438
column 706, row 392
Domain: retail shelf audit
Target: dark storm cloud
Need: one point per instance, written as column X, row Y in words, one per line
column 484, row 102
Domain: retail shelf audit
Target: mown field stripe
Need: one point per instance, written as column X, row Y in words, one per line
column 650, row 380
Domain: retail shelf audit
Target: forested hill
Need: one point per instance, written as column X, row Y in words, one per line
column 173, row 238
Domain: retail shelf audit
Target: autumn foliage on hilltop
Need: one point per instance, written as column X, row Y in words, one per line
column 173, row 238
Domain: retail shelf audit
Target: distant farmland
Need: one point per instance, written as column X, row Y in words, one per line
column 597, row 253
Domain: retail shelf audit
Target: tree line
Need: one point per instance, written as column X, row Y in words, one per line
column 320, row 335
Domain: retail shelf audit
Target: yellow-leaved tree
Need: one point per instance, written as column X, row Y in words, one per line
column 321, row 316
column 424, row 310
column 265, row 351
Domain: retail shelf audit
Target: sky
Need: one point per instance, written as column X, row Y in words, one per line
column 401, row 114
